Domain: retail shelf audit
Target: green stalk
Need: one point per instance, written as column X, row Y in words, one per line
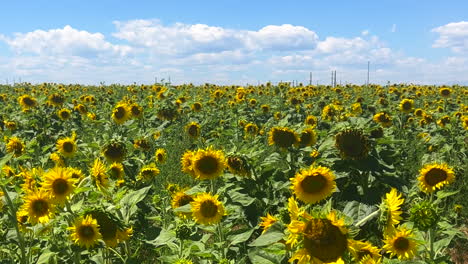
column 23, row 259
column 370, row 216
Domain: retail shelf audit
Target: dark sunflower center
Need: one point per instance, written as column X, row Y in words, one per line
column 383, row 118
column 64, row 114
column 207, row 165
column 435, row 175
column 119, row 112
column 184, row 200
column 445, row 92
column 68, row 147
column 283, row 139
column 324, row 240
column 160, row 157
column 197, row 106
column 115, row 172
column 235, row 163
column 208, row 209
column 136, row 110
column 406, row 105
column 86, row 232
column 28, row 101
column 40, row 207
column 313, row 184
column 114, row 152
column 60, row 186
column 401, row 244
column 306, row 138
column 107, row 227
column 193, row 130
column 352, row 145
column 57, row 99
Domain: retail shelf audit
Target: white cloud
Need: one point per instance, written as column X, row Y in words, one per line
column 453, row 36
column 66, row 41
column 365, row 32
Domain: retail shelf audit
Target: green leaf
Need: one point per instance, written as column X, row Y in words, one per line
column 240, row 238
column 5, row 159
column 130, row 200
column 444, row 194
column 164, row 238
column 47, row 257
column 268, row 238
column 358, row 211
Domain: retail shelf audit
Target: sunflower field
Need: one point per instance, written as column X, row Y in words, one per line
column 264, row 174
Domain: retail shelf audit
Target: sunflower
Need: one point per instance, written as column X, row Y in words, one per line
column 116, row 171
column 121, row 113
column 390, row 209
column 435, row 176
column 283, row 137
column 81, row 109
column 330, row 111
column 136, row 111
column 98, row 172
column 352, row 144
column 161, row 155
column 27, row 102
column 11, row 125
column 196, row 107
column 267, row 222
column 206, row 209
column 465, row 122
column 8, row 171
column 401, row 243
column 114, row 152
column 444, row 121
column 313, row 184
column 383, row 119
column 445, row 92
column 142, row 144
column 180, row 198
column 108, row 226
column 237, row 165
column 15, row 146
column 64, row 114
column 75, row 174
column 38, row 207
column 319, row 240
column 308, row 137
column 265, row 108
column 208, row 163
column 56, row 99
column 360, row 250
column 311, row 120
column 193, row 129
column 59, row 184
column 277, row 115
column 250, row 130
column 419, row 112
column 148, row 173
column 406, row 105
column 85, row 232
column 186, row 162
column 67, row 146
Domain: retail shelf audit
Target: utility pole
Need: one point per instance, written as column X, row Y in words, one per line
column 310, row 78
column 335, row 80
column 332, row 79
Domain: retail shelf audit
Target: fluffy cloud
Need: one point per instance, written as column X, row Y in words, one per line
column 183, row 39
column 66, row 41
column 453, row 36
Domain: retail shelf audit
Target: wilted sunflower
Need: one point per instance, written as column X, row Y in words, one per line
column 206, row 209
column 179, row 199
column 319, row 240
column 237, row 165
column 160, row 155
column 267, row 222
column 85, row 232
column 114, row 152
column 313, row 184
column 64, row 114
column 283, row 137
column 435, row 176
column 142, row 144
column 406, row 105
column 390, row 210
column 27, row 102
column 136, row 110
column 56, row 99
column 402, row 244
column 383, row 118
column 360, row 250
column 148, row 173
column 308, row 137
column 38, row 207
column 59, row 184
column 15, row 146
column 67, row 146
column 193, row 129
column 352, row 144
column 208, row 163
column 121, row 113
column 98, row 172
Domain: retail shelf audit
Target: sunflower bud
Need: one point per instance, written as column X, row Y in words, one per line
column 183, row 231
column 424, row 215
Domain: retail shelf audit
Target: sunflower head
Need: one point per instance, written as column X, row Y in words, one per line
column 207, row 209
column 27, row 102
column 250, row 130
column 114, row 152
column 148, row 173
column 116, row 171
column 85, row 232
column 15, row 146
column 265, row 108
column 136, row 111
column 108, row 224
column 121, row 113
column 313, row 184
column 401, row 243
column 196, row 107
column 66, row 146
column 160, row 155
column 445, row 92
column 267, row 222
column 56, row 99
column 435, row 176
column 352, row 144
column 283, row 137
column 311, row 121
column 308, row 137
column 98, row 172
column 142, row 144
column 208, row 163
column 59, row 184
column 424, row 215
column 383, row 119
column 362, row 250
column 237, row 165
column 38, row 207
column 180, row 198
column 390, row 209
column 186, row 162
column 193, row 129
column 64, row 114
column 406, row 105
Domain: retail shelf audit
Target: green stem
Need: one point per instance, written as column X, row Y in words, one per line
column 431, row 236
column 13, row 219
column 365, row 219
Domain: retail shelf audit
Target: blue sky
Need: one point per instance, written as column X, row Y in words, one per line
column 234, row 41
